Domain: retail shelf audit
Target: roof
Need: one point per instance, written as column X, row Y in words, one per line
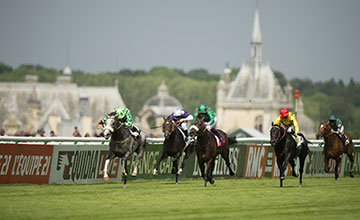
column 250, row 86
column 162, row 104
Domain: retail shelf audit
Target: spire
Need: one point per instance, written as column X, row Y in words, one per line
column 256, row 50
column 256, row 35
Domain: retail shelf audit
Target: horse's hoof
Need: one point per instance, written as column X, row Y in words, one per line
column 106, row 178
column 154, row 172
column 212, row 181
column 124, row 175
column 232, row 173
column 134, row 174
column 179, row 171
column 300, row 185
column 352, row 175
column 124, row 186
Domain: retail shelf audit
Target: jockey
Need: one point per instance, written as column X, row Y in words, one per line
column 124, row 116
column 181, row 117
column 210, row 118
column 338, row 128
column 289, row 121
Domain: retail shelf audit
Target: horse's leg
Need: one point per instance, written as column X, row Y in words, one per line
column 175, row 169
column 225, row 155
column 338, row 161
column 109, row 157
column 187, row 155
column 209, row 169
column 124, row 171
column 349, row 152
column 292, row 163
column 279, row 163
column 162, row 157
column 301, row 168
column 202, row 168
column 326, row 164
column 139, row 155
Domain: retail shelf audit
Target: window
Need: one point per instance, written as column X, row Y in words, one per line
column 259, row 120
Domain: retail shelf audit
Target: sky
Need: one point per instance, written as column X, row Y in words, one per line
column 311, row 39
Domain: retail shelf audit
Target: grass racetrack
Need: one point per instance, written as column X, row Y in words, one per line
column 319, row 198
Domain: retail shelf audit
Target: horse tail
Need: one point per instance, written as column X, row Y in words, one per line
column 232, row 140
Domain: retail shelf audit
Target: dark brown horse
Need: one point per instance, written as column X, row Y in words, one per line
column 173, row 146
column 207, row 149
column 334, row 148
column 285, row 151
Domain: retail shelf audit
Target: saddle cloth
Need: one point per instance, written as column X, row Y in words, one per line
column 217, row 140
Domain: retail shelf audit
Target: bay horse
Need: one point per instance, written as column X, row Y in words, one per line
column 207, row 149
column 173, row 146
column 122, row 144
column 334, row 148
column 285, row 151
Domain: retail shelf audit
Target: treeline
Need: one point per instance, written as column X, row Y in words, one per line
column 321, row 99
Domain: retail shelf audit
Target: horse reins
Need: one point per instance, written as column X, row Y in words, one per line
column 278, row 127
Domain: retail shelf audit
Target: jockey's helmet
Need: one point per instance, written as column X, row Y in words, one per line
column 178, row 112
column 284, row 112
column 121, row 113
column 332, row 118
column 202, row 109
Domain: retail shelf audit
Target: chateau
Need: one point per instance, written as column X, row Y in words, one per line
column 254, row 98
column 59, row 106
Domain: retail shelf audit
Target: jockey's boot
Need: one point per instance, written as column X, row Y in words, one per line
column 216, row 132
column 344, row 139
column 187, row 138
column 134, row 131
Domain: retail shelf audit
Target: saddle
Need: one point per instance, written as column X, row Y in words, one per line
column 342, row 138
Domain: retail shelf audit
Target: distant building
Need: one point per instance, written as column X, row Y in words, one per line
column 155, row 108
column 58, row 106
column 254, row 98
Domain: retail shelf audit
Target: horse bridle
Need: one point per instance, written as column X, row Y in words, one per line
column 322, row 132
column 111, row 128
column 280, row 127
column 172, row 129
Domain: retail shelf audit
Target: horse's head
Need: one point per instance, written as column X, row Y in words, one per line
column 323, row 130
column 168, row 127
column 277, row 133
column 197, row 129
column 112, row 123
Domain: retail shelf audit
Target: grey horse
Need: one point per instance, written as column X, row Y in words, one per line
column 122, row 144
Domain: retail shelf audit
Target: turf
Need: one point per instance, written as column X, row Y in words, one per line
column 319, row 198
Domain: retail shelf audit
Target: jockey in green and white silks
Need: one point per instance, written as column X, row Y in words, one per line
column 125, row 117
column 210, row 118
column 337, row 127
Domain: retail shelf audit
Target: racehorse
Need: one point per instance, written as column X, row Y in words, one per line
column 334, row 148
column 285, row 151
column 122, row 144
column 207, row 149
column 173, row 146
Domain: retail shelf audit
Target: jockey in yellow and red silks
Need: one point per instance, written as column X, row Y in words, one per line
column 288, row 119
